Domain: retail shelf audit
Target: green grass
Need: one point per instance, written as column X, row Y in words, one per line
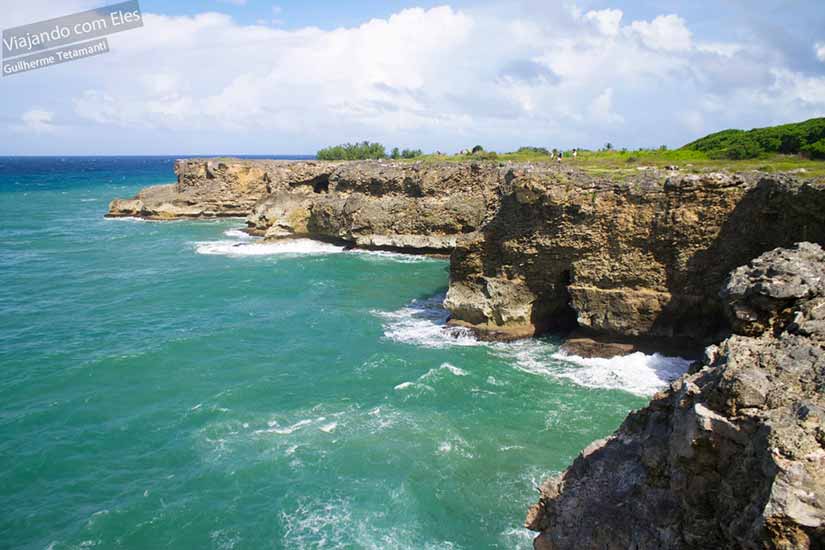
column 797, row 147
column 625, row 163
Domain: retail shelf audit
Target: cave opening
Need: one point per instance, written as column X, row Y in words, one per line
column 321, row 184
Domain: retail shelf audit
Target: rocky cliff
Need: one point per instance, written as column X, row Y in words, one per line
column 733, row 454
column 642, row 258
column 534, row 247
column 412, row 207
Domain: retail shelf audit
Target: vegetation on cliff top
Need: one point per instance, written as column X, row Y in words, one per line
column 805, row 138
column 798, row 147
column 365, row 151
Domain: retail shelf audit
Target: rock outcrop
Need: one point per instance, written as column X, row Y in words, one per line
column 383, row 205
column 642, row 258
column 733, row 454
column 205, row 189
column 414, row 207
column 534, row 247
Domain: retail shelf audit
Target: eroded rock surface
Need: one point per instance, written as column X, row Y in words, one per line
column 534, row 247
column 641, row 258
column 733, row 454
column 414, row 207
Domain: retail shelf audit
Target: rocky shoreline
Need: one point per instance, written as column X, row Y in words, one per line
column 619, row 265
column 732, row 455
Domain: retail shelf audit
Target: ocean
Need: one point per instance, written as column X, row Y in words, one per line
column 175, row 385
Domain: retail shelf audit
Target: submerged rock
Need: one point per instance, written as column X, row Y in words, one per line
column 732, row 455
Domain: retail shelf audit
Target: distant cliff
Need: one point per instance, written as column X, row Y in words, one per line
column 370, row 204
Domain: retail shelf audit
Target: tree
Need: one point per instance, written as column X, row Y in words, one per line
column 608, row 146
column 395, row 154
column 477, row 149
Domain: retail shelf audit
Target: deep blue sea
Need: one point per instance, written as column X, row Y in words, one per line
column 177, row 385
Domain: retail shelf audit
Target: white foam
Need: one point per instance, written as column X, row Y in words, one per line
column 329, row 428
column 394, row 256
column 274, row 428
column 454, row 370
column 126, row 219
column 294, row 247
column 423, row 323
column 238, row 234
column 636, row 373
column 403, row 386
column 445, row 367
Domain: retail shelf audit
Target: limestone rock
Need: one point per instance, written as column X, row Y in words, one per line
column 643, row 257
column 732, row 455
column 758, row 294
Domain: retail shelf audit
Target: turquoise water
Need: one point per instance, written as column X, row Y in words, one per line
column 169, row 385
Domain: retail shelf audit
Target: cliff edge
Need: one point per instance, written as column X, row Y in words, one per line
column 733, row 454
column 534, row 247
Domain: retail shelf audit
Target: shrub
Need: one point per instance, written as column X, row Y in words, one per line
column 353, row 151
column 533, row 150
column 739, row 144
column 744, row 149
column 815, row 150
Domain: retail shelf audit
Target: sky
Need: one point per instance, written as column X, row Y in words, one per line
column 289, row 77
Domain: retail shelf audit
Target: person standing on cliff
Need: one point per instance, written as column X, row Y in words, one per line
column 558, row 159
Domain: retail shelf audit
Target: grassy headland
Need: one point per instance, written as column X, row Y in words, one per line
column 798, row 148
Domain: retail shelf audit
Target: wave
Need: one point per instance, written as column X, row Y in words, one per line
column 126, row 219
column 293, row 247
column 329, row 428
column 276, row 429
column 445, row 367
column 238, row 234
column 394, row 256
column 636, row 373
column 424, row 323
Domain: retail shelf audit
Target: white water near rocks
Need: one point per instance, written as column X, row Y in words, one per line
column 424, row 323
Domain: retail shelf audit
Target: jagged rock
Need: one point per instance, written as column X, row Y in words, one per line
column 405, row 206
column 758, row 294
column 732, row 455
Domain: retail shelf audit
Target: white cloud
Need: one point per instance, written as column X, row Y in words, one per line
column 38, row 121
column 31, row 11
column 601, row 109
column 665, row 32
column 607, row 21
column 233, row 2
column 429, row 78
column 723, row 49
column 819, row 48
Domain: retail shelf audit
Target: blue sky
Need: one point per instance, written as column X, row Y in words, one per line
column 264, row 77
